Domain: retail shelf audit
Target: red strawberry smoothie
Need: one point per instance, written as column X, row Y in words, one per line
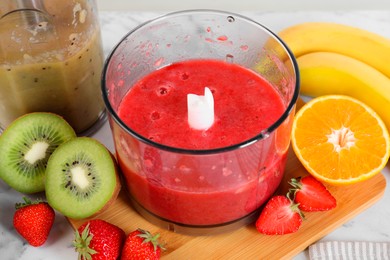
column 201, row 189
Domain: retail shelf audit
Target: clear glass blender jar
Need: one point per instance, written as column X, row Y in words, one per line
column 51, row 59
column 186, row 190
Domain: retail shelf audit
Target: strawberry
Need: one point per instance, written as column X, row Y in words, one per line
column 140, row 244
column 98, row 239
column 311, row 194
column 280, row 216
column 33, row 221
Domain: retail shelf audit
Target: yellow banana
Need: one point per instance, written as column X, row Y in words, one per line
column 325, row 73
column 360, row 44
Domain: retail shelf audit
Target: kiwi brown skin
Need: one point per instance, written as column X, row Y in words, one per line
column 43, row 128
column 96, row 186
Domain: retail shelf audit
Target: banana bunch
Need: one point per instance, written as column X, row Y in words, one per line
column 340, row 59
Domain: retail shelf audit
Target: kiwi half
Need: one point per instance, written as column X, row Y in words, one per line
column 26, row 145
column 81, row 178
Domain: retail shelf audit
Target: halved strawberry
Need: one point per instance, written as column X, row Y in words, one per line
column 279, row 216
column 311, row 194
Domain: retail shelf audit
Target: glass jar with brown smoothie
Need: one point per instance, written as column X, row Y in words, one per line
column 51, row 59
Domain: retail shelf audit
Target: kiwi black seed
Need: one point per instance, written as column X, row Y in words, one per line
column 81, row 178
column 25, row 147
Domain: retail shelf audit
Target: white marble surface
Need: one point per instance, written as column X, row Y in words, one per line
column 242, row 5
column 371, row 225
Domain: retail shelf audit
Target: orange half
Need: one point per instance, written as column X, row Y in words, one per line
column 340, row 140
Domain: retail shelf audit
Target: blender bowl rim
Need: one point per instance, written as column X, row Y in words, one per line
column 262, row 135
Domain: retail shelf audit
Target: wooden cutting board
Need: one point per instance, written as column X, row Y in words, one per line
column 246, row 242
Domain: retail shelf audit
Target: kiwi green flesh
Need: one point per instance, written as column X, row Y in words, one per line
column 81, row 178
column 25, row 147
